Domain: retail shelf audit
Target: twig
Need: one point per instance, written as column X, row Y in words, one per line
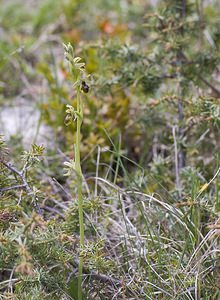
column 214, row 89
column 101, row 277
column 180, row 132
column 10, row 284
column 53, row 210
column 205, row 81
column 13, row 187
column 96, row 276
column 25, row 184
column 10, row 167
column 176, row 160
column 97, row 171
column 104, row 278
column 181, row 155
column 24, row 168
column 9, row 281
column 60, row 204
column 62, row 188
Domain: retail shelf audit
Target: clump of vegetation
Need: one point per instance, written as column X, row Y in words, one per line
column 123, row 201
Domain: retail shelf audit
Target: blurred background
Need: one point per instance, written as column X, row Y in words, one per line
column 132, row 72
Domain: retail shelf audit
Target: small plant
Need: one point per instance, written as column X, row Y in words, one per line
column 30, row 158
column 77, row 69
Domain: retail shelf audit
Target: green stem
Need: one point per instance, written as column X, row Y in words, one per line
column 79, row 190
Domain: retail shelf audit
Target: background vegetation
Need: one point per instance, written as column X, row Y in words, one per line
column 149, row 149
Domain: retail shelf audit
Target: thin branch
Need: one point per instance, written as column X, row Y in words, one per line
column 9, row 281
column 102, row 277
column 24, row 167
column 62, row 188
column 97, row 276
column 178, row 186
column 180, row 132
column 97, row 171
column 10, row 167
column 183, row 10
column 205, row 81
column 25, row 184
column 214, row 89
column 181, row 155
column 53, row 210
column 13, row 187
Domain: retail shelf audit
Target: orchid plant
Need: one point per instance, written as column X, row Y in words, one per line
column 77, row 69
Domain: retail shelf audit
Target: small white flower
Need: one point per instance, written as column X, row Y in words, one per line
column 70, row 167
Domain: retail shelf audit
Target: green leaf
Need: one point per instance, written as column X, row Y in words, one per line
column 73, row 289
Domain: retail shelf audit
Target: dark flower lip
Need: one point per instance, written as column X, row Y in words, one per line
column 84, row 87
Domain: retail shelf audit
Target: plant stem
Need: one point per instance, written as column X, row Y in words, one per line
column 79, row 189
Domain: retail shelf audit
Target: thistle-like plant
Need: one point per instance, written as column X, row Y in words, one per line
column 77, row 69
